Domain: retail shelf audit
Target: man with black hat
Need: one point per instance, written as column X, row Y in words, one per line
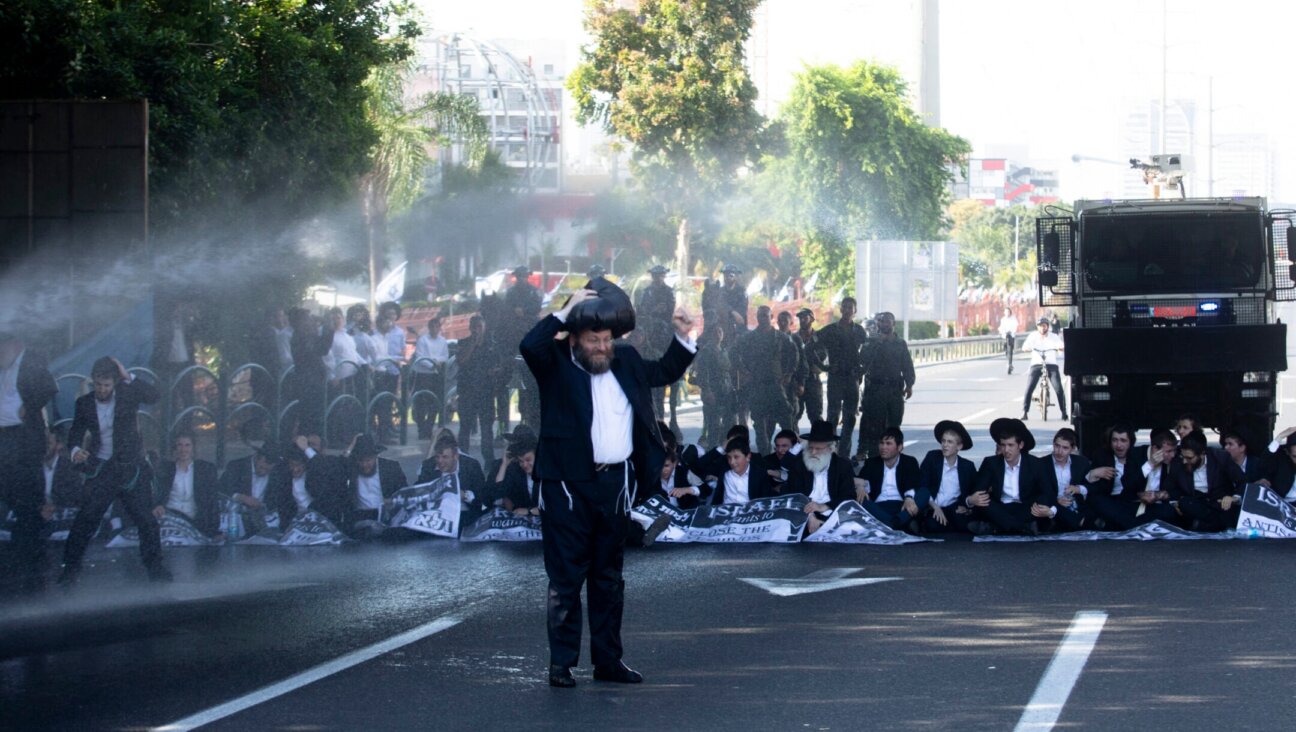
column 26, row 386
column 598, row 441
column 106, row 439
column 843, row 341
column 812, row 352
column 371, row 480
column 949, row 479
column 820, row 474
column 1043, row 348
column 734, row 299
column 653, row 313
column 1009, row 484
column 888, row 382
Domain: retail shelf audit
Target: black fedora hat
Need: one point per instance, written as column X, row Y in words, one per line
column 611, row 310
column 1008, row 427
column 949, row 425
column 821, row 431
column 366, row 447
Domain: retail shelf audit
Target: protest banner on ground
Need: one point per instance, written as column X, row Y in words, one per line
column 176, row 530
column 768, row 520
column 851, row 523
column 502, row 525
column 310, row 529
column 430, row 508
column 1154, row 531
column 1267, row 514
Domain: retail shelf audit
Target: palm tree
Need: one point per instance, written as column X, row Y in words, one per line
column 408, row 133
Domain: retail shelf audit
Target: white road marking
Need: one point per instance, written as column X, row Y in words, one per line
column 834, row 578
column 976, row 415
column 910, row 442
column 310, row 676
column 1051, row 695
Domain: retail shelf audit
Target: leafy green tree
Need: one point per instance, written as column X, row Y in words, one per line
column 670, row 78
column 866, row 164
column 996, row 245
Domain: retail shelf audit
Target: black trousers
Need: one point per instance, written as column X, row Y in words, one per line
column 1210, row 517
column 22, row 488
column 478, row 412
column 1012, row 518
column 426, row 411
column 584, row 542
column 1054, row 378
column 129, row 483
column 812, row 401
column 843, row 400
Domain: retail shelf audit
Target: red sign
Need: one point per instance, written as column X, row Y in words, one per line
column 1174, row 311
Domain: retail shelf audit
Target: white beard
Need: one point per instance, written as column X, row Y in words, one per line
column 816, row 463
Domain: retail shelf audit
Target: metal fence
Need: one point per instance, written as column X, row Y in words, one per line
column 937, row 350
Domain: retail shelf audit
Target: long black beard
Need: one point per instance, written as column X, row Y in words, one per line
column 588, row 364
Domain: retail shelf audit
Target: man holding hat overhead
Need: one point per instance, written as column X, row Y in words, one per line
column 598, row 442
column 949, row 479
column 26, row 386
column 1009, row 484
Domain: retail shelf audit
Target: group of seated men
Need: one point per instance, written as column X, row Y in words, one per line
column 1177, row 478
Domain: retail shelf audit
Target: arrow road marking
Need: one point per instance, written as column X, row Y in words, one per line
column 834, row 578
column 1051, row 695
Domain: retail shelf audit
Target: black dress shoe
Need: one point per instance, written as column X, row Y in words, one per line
column 560, row 676
column 659, row 524
column 980, row 528
column 620, row 673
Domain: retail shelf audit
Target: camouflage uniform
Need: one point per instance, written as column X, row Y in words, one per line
column 762, row 360
column 653, row 314
column 712, row 372
column 888, row 373
column 813, row 355
column 794, row 363
column 843, row 342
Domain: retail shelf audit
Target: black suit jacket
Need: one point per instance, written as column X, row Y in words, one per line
column 36, row 387
column 390, row 478
column 907, row 475
column 566, row 451
column 326, row 482
column 759, row 484
column 514, row 487
column 932, row 470
column 709, row 463
column 1030, row 480
column 1258, row 467
column 207, row 517
column 1133, row 482
column 1080, row 467
column 841, row 480
column 1220, row 479
column 1282, row 473
column 127, row 443
column 237, row 477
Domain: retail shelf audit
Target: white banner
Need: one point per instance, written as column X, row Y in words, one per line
column 430, row 508
column 176, row 530
column 310, row 529
column 502, row 525
column 1265, row 514
column 773, row 520
column 1154, row 531
column 56, row 529
column 851, row 523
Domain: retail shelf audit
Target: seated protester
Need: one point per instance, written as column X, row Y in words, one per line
column 447, row 460
column 309, row 481
column 674, row 487
column 710, row 465
column 371, row 480
column 1009, row 484
column 1066, row 481
column 742, row 482
column 63, row 485
column 188, row 487
column 520, row 433
column 514, row 479
column 893, row 483
column 1116, row 479
column 1159, row 488
column 246, row 480
column 948, row 479
column 1202, row 487
column 1185, row 425
column 1282, row 470
column 820, row 474
column 1243, row 466
column 776, row 463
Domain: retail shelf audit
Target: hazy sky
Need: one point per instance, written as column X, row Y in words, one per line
column 1044, row 79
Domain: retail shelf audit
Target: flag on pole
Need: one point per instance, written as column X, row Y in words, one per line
column 809, row 286
column 392, row 287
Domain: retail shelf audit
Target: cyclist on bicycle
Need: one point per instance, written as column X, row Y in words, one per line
column 1043, row 347
column 1008, row 329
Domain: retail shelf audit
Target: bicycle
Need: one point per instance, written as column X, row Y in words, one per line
column 1043, row 391
column 1010, row 345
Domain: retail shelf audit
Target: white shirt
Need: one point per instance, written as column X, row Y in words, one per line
column 369, row 492
column 49, row 469
column 1153, row 476
column 179, row 353
column 1200, row 482
column 1008, row 324
column 182, row 492
column 283, row 345
column 1011, row 483
column 1050, row 343
column 819, row 493
column 106, row 411
column 395, row 338
column 10, row 401
column 949, row 487
column 1063, row 473
column 1118, row 483
column 735, row 486
column 436, row 350
column 342, row 352
column 890, row 489
column 259, row 483
column 300, row 496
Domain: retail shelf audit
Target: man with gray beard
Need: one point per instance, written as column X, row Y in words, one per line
column 820, row 474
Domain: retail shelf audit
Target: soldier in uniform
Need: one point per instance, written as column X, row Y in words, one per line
column 521, row 309
column 732, row 313
column 761, row 355
column 655, row 308
column 843, row 341
column 888, row 382
column 795, row 364
column 713, row 374
column 596, row 270
column 812, row 352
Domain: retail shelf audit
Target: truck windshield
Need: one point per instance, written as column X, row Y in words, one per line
column 1173, row 252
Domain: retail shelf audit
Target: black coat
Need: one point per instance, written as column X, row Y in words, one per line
column 1258, row 467
column 207, row 516
column 390, row 478
column 326, row 482
column 513, row 486
column 841, row 480
column 932, row 470
column 68, row 488
column 1080, row 467
column 1282, row 472
column 679, row 479
column 127, row 443
column 907, row 475
column 237, row 477
column 1030, row 480
column 566, row 451
column 1219, row 479
column 36, row 387
column 471, row 480
column 1133, row 482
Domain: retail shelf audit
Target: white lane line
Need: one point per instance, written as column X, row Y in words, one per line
column 910, row 442
column 1051, row 695
column 975, row 415
column 310, row 676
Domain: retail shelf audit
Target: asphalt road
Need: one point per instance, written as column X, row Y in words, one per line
column 1195, row 636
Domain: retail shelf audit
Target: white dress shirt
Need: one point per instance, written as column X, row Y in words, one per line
column 819, row 491
column 300, row 495
column 1051, row 342
column 49, row 469
column 1063, row 473
column 369, row 492
column 1200, row 483
column 1007, row 325
column 342, row 357
column 949, row 487
column 179, row 352
column 1153, row 476
column 106, row 411
column 735, row 486
column 890, row 488
column 436, row 350
column 259, row 484
column 182, row 492
column 283, row 345
column 1011, row 482
column 10, row 400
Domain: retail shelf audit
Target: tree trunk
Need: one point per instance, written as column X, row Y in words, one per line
column 682, row 255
